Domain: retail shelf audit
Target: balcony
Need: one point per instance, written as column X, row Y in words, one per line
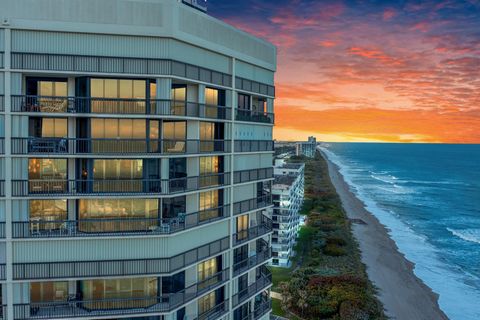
column 251, row 262
column 254, row 116
column 263, row 228
column 260, row 309
column 116, row 227
column 148, row 107
column 252, row 204
column 76, row 307
column 215, row 313
column 260, row 284
column 253, row 175
column 117, row 268
column 118, row 187
column 254, row 146
column 38, row 145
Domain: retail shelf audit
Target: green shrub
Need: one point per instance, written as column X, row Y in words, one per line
column 336, row 241
column 334, row 251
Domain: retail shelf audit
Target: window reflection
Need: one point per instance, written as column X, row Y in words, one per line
column 119, row 175
column 47, row 175
column 209, row 203
column 206, row 270
column 179, row 100
column 209, row 169
column 47, row 215
column 116, row 292
column 48, row 291
column 242, row 227
column 118, row 95
column 108, row 215
column 121, row 135
column 174, row 135
column 207, row 136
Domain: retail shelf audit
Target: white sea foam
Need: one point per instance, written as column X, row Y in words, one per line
column 471, row 235
column 458, row 299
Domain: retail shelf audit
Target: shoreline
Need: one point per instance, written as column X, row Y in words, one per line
column 402, row 293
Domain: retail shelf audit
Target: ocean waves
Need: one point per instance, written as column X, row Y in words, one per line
column 471, row 235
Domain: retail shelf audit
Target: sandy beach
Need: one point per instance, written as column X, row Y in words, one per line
column 404, row 296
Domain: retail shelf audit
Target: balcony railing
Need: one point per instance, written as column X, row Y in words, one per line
column 215, row 313
column 252, row 204
column 253, row 175
column 260, row 309
column 261, row 283
column 253, row 261
column 116, row 227
column 76, row 307
column 158, row 107
column 253, row 145
column 113, row 268
column 263, row 228
column 50, row 187
column 38, row 145
column 254, row 116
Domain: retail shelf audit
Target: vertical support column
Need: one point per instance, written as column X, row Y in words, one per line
column 72, row 133
column 8, row 172
column 201, row 100
column 164, row 89
column 232, row 170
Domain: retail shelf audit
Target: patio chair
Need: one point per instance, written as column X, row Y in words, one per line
column 179, row 147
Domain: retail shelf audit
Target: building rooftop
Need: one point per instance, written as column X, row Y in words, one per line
column 286, row 180
column 292, row 165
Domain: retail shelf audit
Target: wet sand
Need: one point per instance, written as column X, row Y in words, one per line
column 404, row 296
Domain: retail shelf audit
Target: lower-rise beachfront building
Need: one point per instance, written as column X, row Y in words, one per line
column 306, row 148
column 287, row 193
column 136, row 162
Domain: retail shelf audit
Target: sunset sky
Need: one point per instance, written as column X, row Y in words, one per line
column 406, row 71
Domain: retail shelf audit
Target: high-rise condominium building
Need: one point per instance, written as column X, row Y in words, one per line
column 136, row 162
column 288, row 195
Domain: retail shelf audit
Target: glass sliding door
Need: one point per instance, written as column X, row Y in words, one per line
column 209, row 205
column 210, row 167
column 207, row 272
column 118, row 96
column 47, row 175
column 174, row 136
column 120, row 135
column 207, row 136
column 47, row 215
column 179, row 100
column 117, row 215
column 119, row 293
column 125, row 175
column 242, row 227
column 48, row 292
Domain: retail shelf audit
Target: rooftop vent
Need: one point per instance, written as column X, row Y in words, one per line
column 197, row 4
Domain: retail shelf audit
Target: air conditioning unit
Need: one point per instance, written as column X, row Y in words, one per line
column 197, row 4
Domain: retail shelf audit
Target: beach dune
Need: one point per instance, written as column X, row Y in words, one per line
column 404, row 295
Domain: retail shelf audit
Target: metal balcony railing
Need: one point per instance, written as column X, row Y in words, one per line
column 263, row 228
column 254, row 116
column 77, row 307
column 261, row 283
column 253, row 175
column 215, row 313
column 114, row 268
column 92, row 187
column 114, row 227
column 260, row 309
column 158, row 107
column 39, row 145
column 252, row 204
column 252, row 261
column 254, row 145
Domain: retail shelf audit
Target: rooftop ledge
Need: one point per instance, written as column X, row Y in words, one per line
column 152, row 18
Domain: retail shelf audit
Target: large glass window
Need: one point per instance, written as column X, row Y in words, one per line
column 207, row 270
column 107, row 214
column 52, row 88
column 211, row 96
column 242, row 227
column 209, row 169
column 47, row 169
column 106, row 92
column 174, row 207
column 118, row 175
column 48, row 127
column 48, row 291
column 207, row 136
column 209, row 203
column 117, row 292
column 174, row 136
column 243, row 102
column 119, row 128
column 47, row 214
column 178, row 95
column 207, row 302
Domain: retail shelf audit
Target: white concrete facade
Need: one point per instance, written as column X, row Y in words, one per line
column 132, row 184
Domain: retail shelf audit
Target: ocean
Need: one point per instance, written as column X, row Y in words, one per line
column 428, row 195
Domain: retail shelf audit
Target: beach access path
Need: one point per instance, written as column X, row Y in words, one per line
column 404, row 296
